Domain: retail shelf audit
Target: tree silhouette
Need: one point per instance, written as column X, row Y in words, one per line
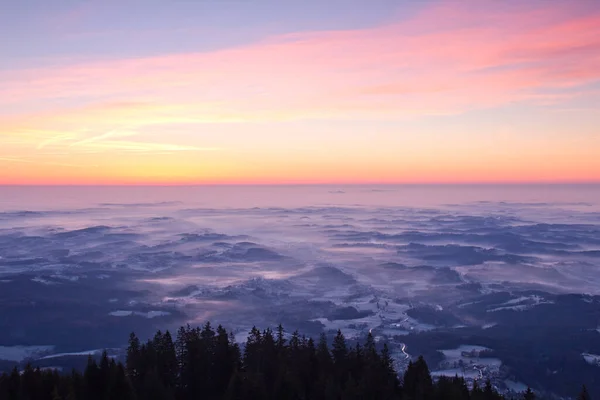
column 583, row 395
column 204, row 363
column 528, row 395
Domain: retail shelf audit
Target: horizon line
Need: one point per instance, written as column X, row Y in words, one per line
column 506, row 183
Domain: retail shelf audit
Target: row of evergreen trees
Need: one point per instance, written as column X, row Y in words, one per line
column 203, row 363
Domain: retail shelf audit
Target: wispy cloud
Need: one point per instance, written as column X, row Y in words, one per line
column 131, row 146
column 42, row 162
column 57, row 138
column 473, row 58
column 102, row 127
column 452, row 58
column 115, row 133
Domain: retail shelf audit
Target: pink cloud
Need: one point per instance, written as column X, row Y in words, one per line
column 448, row 59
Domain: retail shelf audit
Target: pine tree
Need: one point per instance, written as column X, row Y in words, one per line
column 14, row 386
column 340, row 350
column 477, row 392
column 528, row 395
column 370, row 350
column 234, row 389
column 280, row 337
column 418, row 384
column 207, row 364
column 489, row 392
column 168, row 368
column 133, row 359
column 252, row 351
column 583, row 395
column 91, row 380
column 55, row 394
column 121, row 388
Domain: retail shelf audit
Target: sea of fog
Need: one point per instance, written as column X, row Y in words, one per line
column 75, row 260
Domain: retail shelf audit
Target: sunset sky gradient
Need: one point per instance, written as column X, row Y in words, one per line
column 266, row 91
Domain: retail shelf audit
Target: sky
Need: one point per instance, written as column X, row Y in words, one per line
column 280, row 92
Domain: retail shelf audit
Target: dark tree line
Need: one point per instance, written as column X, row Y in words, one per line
column 204, row 363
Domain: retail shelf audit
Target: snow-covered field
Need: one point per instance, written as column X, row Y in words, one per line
column 516, row 387
column 521, row 303
column 149, row 314
column 95, row 352
column 468, row 361
column 592, row 359
column 20, row 353
column 315, row 258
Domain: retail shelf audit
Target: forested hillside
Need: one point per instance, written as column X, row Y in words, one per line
column 204, row 363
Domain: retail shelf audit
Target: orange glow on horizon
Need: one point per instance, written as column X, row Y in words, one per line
column 453, row 94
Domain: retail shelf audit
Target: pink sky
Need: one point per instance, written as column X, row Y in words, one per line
column 453, row 92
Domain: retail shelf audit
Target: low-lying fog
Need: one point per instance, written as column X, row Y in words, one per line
column 314, row 258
